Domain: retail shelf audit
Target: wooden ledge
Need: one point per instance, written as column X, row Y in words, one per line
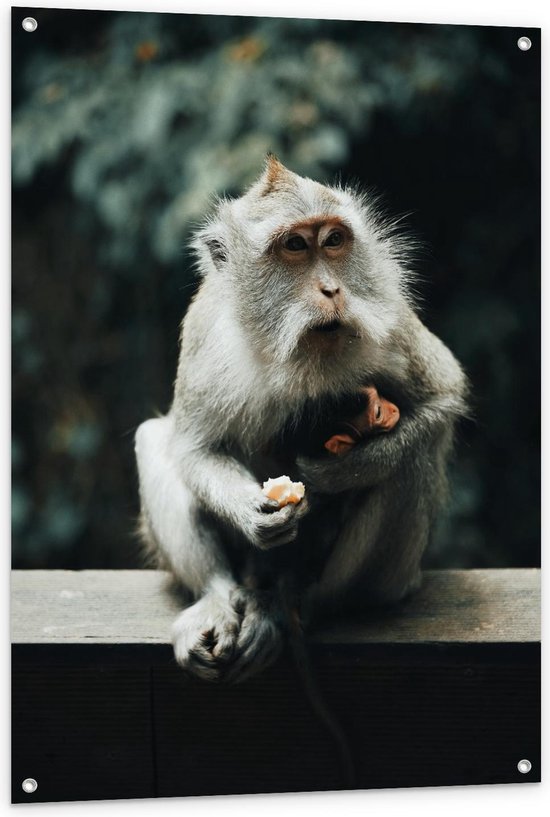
column 118, row 607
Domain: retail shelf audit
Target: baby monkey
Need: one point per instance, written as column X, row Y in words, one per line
column 377, row 415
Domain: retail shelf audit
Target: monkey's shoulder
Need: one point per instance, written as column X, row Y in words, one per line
column 432, row 370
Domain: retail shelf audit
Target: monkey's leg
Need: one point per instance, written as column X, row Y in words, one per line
column 376, row 558
column 204, row 634
column 225, row 622
column 173, row 522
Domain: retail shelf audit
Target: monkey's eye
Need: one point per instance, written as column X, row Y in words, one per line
column 296, row 243
column 378, row 411
column 335, row 239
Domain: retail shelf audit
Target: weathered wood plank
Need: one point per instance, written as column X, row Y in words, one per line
column 119, row 607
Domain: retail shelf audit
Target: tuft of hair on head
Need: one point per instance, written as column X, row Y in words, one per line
column 274, row 178
column 274, row 169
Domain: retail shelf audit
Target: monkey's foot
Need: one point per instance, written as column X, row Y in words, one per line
column 205, row 636
column 260, row 637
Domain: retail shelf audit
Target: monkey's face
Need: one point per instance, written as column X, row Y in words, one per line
column 313, row 255
column 307, row 271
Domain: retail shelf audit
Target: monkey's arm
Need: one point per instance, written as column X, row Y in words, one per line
column 223, row 486
column 436, row 386
column 211, row 467
column 376, row 459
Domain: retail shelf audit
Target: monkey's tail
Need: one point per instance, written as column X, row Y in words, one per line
column 302, row 660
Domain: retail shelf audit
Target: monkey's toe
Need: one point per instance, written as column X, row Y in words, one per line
column 225, row 641
column 258, row 645
column 208, row 638
column 201, row 664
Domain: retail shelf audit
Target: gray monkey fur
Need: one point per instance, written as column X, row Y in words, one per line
column 251, row 358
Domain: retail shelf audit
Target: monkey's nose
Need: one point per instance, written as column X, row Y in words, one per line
column 329, row 291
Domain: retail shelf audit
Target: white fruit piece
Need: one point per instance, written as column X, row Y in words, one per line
column 284, row 490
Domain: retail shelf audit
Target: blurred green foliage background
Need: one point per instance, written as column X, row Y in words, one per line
column 126, row 124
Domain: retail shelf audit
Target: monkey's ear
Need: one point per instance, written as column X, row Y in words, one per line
column 217, row 250
column 210, row 247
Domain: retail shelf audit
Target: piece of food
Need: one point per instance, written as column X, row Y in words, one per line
column 284, row 490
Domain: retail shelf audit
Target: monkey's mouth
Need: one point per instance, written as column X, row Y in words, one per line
column 333, row 326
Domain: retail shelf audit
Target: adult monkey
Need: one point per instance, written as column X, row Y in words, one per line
column 304, row 299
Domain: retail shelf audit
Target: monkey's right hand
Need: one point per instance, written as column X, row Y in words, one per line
column 268, row 526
